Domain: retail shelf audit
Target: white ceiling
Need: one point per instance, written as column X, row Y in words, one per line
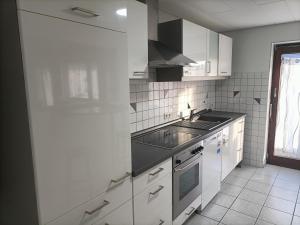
column 225, row 15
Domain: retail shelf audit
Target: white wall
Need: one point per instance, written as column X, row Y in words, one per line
column 252, row 47
column 252, row 50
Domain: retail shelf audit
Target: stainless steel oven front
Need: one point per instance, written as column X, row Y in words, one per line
column 187, row 178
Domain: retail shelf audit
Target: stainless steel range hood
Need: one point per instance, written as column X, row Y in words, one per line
column 159, row 55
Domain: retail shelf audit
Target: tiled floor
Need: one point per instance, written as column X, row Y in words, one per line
column 260, row 196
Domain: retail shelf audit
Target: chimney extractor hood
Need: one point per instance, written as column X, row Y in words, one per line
column 160, row 56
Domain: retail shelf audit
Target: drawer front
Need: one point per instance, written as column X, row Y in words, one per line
column 97, row 13
column 97, row 208
column 122, row 215
column 188, row 211
column 154, row 205
column 151, row 176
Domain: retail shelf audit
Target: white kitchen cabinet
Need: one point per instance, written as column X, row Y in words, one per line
column 212, row 53
column 211, row 176
column 154, row 204
column 121, row 216
column 225, row 55
column 232, row 146
column 78, row 107
column 137, row 38
column 102, row 13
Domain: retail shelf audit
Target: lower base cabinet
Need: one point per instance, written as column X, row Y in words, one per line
column 121, row 216
column 153, row 206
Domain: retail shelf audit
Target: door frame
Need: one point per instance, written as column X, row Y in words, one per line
column 279, row 50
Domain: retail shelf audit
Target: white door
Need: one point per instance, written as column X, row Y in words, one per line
column 78, row 107
column 137, row 34
column 212, row 53
column 225, row 55
column 228, row 153
column 211, row 177
column 194, row 45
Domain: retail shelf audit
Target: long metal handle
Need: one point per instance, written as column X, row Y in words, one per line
column 105, row 203
column 156, row 172
column 161, row 222
column 121, row 179
column 208, row 67
column 183, row 168
column 137, row 73
column 270, row 110
column 158, row 190
column 223, row 72
column 190, row 212
column 86, row 11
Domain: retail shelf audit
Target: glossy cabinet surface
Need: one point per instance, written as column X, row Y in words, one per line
column 102, row 13
column 225, row 55
column 78, row 107
column 137, row 38
column 238, row 140
column 194, row 46
column 211, row 176
column 212, row 53
column 121, row 216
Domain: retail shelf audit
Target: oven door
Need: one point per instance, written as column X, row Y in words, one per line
column 187, row 186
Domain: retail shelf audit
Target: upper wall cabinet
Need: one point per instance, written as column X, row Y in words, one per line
column 212, row 53
column 225, row 55
column 104, row 13
column 137, row 34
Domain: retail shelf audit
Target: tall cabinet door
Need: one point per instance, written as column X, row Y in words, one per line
column 78, row 96
column 212, row 53
column 137, row 34
column 225, row 55
column 194, row 44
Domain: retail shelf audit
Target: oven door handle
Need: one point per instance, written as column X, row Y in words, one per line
column 188, row 165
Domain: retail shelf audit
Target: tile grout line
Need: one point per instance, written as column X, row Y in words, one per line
column 298, row 196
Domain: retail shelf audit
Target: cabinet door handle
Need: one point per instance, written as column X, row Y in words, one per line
column 156, row 172
column 137, row 73
column 158, row 190
column 105, row 203
column 85, row 11
column 190, row 212
column 208, row 67
column 121, row 179
column 161, row 222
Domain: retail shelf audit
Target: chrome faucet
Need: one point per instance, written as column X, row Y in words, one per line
column 192, row 114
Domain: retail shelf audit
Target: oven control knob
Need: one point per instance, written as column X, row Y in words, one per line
column 178, row 161
column 194, row 151
column 200, row 149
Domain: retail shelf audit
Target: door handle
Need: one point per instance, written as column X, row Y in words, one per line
column 158, row 190
column 86, row 11
column 190, row 212
column 208, row 66
column 156, row 172
column 270, row 110
column 105, row 203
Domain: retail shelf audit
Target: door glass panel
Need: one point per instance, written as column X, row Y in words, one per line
column 287, row 136
column 188, row 181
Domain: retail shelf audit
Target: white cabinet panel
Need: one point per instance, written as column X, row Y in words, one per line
column 228, row 152
column 102, row 13
column 154, row 205
column 151, row 176
column 211, row 177
column 225, row 55
column 137, row 35
column 212, row 53
column 78, row 107
column 121, row 216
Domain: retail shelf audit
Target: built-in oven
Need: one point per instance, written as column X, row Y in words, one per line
column 187, row 178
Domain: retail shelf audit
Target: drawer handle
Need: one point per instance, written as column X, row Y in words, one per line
column 190, row 212
column 137, row 73
column 224, row 72
column 156, row 172
column 161, row 222
column 105, row 203
column 121, row 179
column 86, row 11
column 158, row 190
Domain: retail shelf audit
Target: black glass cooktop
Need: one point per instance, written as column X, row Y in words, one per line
column 169, row 137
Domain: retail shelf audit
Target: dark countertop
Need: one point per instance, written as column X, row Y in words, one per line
column 145, row 156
